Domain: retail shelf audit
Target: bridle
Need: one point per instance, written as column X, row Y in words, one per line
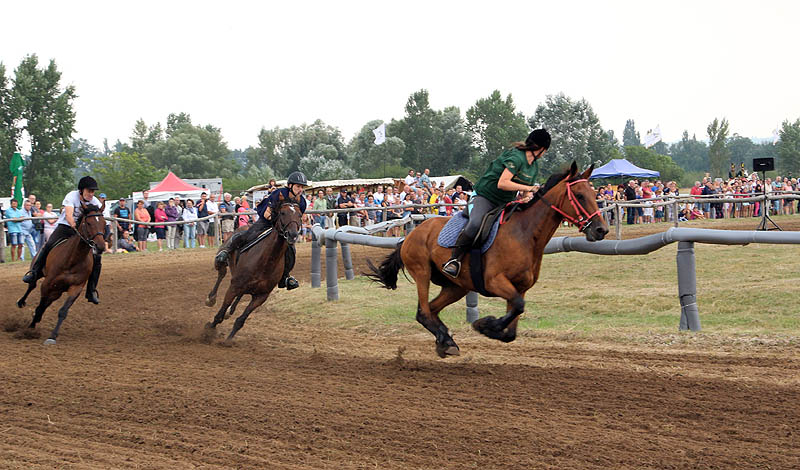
column 88, row 240
column 583, row 219
column 283, row 232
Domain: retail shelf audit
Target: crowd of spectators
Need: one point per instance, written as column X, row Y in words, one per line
column 734, row 187
column 195, row 233
column 416, row 189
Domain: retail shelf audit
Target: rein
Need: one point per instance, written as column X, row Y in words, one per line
column 583, row 219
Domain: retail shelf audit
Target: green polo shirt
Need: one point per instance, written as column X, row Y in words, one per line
column 517, row 163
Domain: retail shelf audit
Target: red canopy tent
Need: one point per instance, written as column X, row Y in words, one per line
column 171, row 186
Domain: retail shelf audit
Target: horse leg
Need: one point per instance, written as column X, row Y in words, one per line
column 496, row 328
column 233, row 306
column 44, row 302
column 72, row 293
column 21, row 301
column 220, row 316
column 255, row 302
column 447, row 296
column 211, row 299
column 445, row 345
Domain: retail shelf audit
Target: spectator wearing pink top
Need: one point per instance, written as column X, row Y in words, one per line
column 160, row 215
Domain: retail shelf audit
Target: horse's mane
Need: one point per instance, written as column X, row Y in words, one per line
column 554, row 179
column 87, row 209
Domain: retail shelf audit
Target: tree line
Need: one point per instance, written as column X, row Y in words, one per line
column 445, row 140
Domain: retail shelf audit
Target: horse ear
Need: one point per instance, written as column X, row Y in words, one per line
column 573, row 169
column 588, row 173
column 280, row 197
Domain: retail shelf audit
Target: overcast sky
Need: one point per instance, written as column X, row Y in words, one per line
column 242, row 66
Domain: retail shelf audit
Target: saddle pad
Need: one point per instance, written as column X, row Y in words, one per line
column 451, row 230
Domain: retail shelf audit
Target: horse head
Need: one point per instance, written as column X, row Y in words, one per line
column 287, row 220
column 578, row 204
column 92, row 225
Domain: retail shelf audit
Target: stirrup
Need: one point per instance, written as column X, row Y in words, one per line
column 452, row 268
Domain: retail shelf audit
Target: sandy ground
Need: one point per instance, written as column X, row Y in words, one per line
column 132, row 384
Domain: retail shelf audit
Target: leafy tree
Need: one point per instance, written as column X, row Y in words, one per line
column 493, row 124
column 250, row 177
column 282, row 149
column 416, row 130
column 742, row 150
column 9, row 134
column 192, row 152
column 652, row 160
column 317, row 167
column 718, row 153
column 49, row 119
column 87, row 156
column 788, row 148
column 690, row 154
column 452, row 149
column 268, row 152
column 176, row 121
column 661, row 147
column 576, row 132
column 139, row 136
column 122, row 173
column 366, row 157
column 630, row 137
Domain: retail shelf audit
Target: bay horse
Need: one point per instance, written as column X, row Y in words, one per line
column 511, row 265
column 68, row 266
column 258, row 271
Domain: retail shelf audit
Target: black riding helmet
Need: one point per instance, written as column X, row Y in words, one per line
column 539, row 138
column 297, row 178
column 87, row 182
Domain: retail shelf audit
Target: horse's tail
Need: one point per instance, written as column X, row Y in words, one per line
column 386, row 273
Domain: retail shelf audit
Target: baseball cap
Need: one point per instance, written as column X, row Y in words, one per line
column 103, row 195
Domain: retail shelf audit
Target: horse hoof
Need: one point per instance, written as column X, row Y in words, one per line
column 20, row 303
column 484, row 325
column 443, row 351
column 210, row 301
column 49, row 342
column 210, row 326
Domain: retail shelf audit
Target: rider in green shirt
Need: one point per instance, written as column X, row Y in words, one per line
column 515, row 170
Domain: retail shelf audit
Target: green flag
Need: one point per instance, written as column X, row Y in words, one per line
column 16, row 166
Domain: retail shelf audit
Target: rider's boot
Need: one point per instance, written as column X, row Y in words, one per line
column 453, row 266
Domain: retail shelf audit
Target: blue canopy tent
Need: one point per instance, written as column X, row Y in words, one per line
column 622, row 167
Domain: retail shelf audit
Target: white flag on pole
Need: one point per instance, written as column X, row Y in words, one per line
column 776, row 135
column 380, row 134
column 653, row 137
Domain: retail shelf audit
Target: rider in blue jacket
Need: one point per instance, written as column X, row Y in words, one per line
column 295, row 185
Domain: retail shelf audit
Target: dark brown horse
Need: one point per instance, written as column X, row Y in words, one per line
column 68, row 267
column 511, row 265
column 258, row 270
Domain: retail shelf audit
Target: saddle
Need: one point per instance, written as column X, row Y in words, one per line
column 486, row 226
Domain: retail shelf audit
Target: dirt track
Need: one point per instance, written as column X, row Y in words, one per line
column 131, row 385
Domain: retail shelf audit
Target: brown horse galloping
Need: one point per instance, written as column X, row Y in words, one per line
column 511, row 265
column 68, row 266
column 259, row 270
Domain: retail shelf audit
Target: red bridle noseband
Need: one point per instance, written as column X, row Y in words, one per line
column 584, row 218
